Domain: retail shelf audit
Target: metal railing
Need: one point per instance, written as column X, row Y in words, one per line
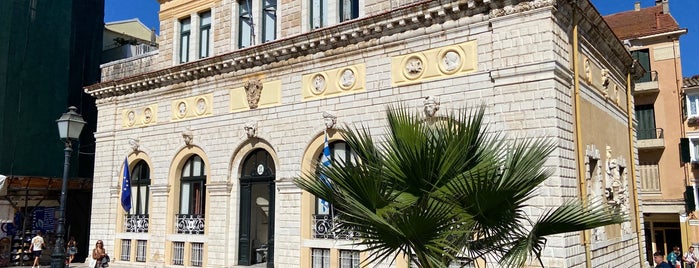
column 190, row 224
column 648, row 134
column 136, row 223
column 651, row 76
column 325, row 227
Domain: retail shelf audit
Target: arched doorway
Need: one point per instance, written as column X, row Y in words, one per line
column 256, row 237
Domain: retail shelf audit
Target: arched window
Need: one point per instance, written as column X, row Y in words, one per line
column 192, row 183
column 340, row 154
column 140, row 184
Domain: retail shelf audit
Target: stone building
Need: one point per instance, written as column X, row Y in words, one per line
column 235, row 106
column 652, row 36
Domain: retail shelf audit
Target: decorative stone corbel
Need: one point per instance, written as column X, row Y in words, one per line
column 188, row 136
column 431, row 106
column 251, row 129
column 329, row 119
column 134, row 143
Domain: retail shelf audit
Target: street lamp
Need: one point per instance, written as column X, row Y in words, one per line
column 69, row 127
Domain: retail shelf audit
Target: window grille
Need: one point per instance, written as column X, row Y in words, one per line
column 349, row 259
column 125, row 250
column 141, row 246
column 178, row 253
column 320, row 258
column 197, row 254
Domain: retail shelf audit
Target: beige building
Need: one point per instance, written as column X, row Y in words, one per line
column 652, row 36
column 235, row 106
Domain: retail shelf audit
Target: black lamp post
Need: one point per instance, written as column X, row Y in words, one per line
column 69, row 127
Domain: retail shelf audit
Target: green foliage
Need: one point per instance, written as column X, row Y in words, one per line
column 436, row 190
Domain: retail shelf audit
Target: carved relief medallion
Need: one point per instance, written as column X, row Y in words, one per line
column 450, row 62
column 347, row 79
column 147, row 115
column 318, row 84
column 201, row 106
column 253, row 89
column 181, row 109
column 413, row 68
column 131, row 117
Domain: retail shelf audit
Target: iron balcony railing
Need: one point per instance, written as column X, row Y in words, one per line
column 649, row 134
column 190, row 223
column 136, row 223
column 325, row 227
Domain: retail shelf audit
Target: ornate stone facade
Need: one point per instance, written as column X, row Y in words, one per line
column 476, row 55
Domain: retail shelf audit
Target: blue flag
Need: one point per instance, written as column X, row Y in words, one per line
column 325, row 160
column 126, row 188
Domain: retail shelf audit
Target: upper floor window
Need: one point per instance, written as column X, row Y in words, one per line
column 318, row 13
column 140, row 182
column 246, row 35
column 269, row 20
column 349, row 9
column 192, row 185
column 185, row 28
column 643, row 58
column 205, row 34
column 692, row 105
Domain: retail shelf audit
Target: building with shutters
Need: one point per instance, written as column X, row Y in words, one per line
column 652, row 36
column 235, row 104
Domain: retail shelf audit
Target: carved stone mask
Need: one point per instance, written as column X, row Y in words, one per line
column 251, row 129
column 329, row 120
column 431, row 106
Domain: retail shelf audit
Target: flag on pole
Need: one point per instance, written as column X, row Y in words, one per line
column 325, row 161
column 126, row 188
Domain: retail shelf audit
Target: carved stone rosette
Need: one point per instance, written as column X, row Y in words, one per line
column 253, row 89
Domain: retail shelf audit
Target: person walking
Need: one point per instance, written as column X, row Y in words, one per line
column 99, row 255
column 72, row 249
column 660, row 261
column 690, row 259
column 675, row 257
column 36, row 246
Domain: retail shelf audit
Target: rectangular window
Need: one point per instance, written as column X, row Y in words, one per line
column 643, row 57
column 246, row 34
column 178, row 253
column 349, row 259
column 269, row 20
column 645, row 114
column 349, row 9
column 125, row 250
column 197, row 254
column 141, row 246
column 694, row 149
column 692, row 105
column 320, row 258
column 318, row 11
column 185, row 27
column 204, row 34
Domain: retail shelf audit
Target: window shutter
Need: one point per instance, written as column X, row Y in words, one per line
column 683, row 104
column 685, row 157
column 689, row 204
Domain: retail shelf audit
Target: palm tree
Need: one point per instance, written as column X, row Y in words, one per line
column 436, row 190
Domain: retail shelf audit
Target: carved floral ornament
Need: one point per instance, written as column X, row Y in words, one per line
column 253, row 90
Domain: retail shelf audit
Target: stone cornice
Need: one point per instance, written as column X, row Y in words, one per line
column 409, row 17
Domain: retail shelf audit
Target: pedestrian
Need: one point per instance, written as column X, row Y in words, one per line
column 660, row 261
column 36, row 246
column 675, row 257
column 690, row 259
column 99, row 256
column 72, row 248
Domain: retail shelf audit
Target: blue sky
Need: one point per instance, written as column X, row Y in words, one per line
column 682, row 10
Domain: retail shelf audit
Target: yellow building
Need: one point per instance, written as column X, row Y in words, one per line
column 652, row 36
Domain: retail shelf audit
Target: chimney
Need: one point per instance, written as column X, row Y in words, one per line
column 665, row 4
column 637, row 6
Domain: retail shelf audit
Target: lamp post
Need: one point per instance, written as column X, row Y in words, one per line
column 69, row 127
